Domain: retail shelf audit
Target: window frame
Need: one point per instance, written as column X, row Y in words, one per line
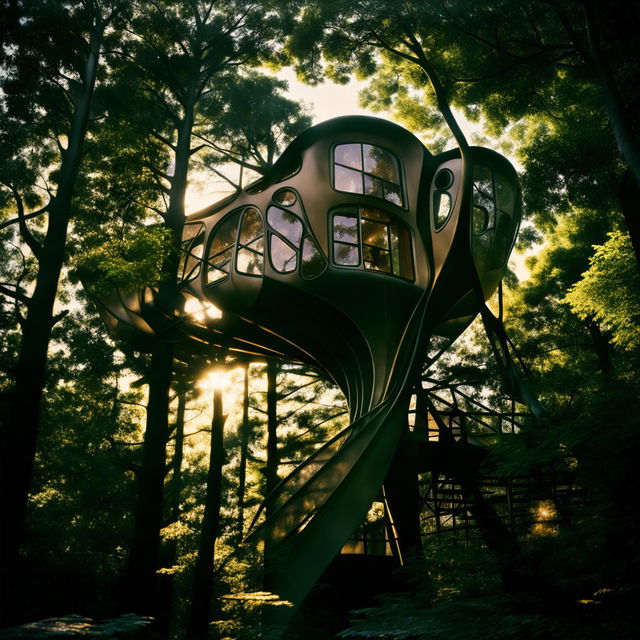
column 352, row 210
column 401, row 185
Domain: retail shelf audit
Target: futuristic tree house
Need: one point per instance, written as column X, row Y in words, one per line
column 356, row 250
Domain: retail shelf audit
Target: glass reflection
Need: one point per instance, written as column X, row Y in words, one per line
column 380, row 163
column 251, row 226
column 283, row 256
column 348, row 180
column 349, row 155
column 480, row 220
column 224, row 236
column 392, row 193
column 249, row 256
column 441, row 208
column 483, row 179
column 377, row 259
column 347, row 255
column 285, row 223
column 192, row 249
column 367, row 169
column 505, row 197
column 383, row 242
column 313, row 262
column 249, row 262
column 375, row 234
column 373, row 186
column 285, row 197
column 345, row 228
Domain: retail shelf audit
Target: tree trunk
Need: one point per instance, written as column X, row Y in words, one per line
column 19, row 433
column 202, row 591
column 621, row 124
column 600, row 346
column 273, row 461
column 169, row 550
column 630, row 203
column 244, row 450
column 141, row 591
column 176, row 464
column 141, row 588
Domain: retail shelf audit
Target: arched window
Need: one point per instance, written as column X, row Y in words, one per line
column 373, row 240
column 367, row 169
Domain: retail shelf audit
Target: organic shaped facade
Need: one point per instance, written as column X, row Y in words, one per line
column 353, row 254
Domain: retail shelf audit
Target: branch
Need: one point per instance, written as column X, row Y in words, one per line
column 55, row 319
column 441, row 97
column 126, row 464
column 164, row 140
column 26, row 216
column 16, row 295
column 229, row 180
column 32, row 243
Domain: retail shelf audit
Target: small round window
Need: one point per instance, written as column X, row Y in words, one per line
column 285, row 197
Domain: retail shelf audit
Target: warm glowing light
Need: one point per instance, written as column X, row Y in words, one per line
column 215, row 379
column 201, row 310
column 545, row 515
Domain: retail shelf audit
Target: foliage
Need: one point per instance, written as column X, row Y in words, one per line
column 253, row 142
column 134, row 260
column 609, row 291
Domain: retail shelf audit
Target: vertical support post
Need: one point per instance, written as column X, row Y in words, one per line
column 403, row 497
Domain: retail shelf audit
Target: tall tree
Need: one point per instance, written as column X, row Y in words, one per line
column 179, row 52
column 202, row 587
column 54, row 60
column 253, row 142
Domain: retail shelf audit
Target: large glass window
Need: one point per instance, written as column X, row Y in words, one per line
column 367, row 169
column 374, row 240
column 346, row 240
